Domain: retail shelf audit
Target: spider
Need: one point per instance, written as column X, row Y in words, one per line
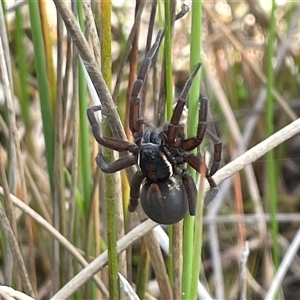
column 168, row 190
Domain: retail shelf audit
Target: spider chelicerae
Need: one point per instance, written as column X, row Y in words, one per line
column 168, row 190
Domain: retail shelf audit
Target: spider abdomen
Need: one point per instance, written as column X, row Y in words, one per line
column 164, row 202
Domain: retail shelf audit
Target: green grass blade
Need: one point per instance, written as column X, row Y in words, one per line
column 84, row 130
column 43, row 85
column 168, row 60
column 143, row 271
column 197, row 246
column 195, row 58
column 85, row 169
column 271, row 165
column 169, row 101
column 109, row 192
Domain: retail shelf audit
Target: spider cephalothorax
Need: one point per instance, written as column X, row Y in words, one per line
column 168, row 190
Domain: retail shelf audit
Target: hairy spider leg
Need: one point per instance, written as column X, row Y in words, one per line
column 217, row 152
column 135, row 186
column 113, row 144
column 172, row 127
column 195, row 162
column 118, row 165
column 184, row 10
column 135, row 123
column 193, row 142
column 191, row 191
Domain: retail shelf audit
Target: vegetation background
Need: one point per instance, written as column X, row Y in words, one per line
column 59, row 214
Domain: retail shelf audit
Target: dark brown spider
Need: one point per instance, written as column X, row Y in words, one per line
column 168, row 190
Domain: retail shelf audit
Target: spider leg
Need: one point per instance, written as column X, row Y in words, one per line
column 217, row 153
column 111, row 143
column 134, row 120
column 191, row 191
column 184, row 10
column 195, row 162
column 194, row 142
column 211, row 193
column 117, row 165
column 135, row 187
column 172, row 127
